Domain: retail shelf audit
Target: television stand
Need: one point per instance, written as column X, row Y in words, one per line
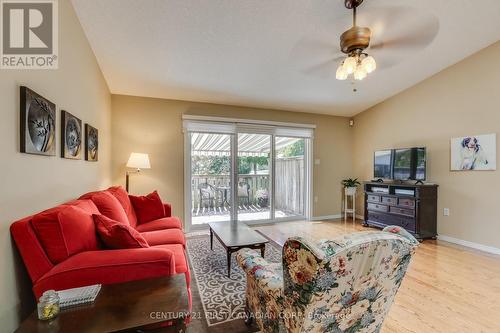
column 411, row 206
column 419, row 182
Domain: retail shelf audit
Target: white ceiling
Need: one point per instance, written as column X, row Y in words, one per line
column 277, row 53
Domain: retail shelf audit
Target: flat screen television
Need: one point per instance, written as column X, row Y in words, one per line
column 382, row 167
column 400, row 164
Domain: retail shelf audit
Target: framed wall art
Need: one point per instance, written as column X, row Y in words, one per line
column 474, row 152
column 38, row 123
column 71, row 136
column 91, row 143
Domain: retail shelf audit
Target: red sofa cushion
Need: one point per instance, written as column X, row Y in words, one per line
column 111, row 266
column 181, row 264
column 160, row 224
column 166, row 236
column 148, row 208
column 85, row 204
column 117, row 235
column 66, row 230
column 119, row 193
column 108, row 205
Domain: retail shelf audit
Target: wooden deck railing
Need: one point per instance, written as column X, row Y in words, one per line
column 289, row 192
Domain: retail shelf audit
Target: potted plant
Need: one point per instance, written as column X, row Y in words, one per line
column 262, row 197
column 350, row 185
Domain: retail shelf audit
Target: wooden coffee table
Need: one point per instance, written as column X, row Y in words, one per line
column 124, row 307
column 235, row 236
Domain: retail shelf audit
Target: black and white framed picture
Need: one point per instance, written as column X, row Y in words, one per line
column 91, row 143
column 38, row 124
column 71, row 136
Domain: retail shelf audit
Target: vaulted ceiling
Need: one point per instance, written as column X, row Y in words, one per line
column 278, row 53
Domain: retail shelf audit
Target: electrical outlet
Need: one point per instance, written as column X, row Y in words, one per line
column 316, row 199
column 446, row 212
column 317, row 161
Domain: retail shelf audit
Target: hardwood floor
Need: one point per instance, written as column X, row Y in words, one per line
column 448, row 288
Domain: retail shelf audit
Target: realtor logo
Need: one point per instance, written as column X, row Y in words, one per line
column 29, row 34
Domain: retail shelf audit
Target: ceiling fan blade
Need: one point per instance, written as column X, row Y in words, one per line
column 325, row 69
column 402, row 27
column 313, row 48
column 398, row 33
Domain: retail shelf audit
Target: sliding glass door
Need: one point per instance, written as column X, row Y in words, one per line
column 210, row 177
column 246, row 173
column 290, row 177
column 254, row 178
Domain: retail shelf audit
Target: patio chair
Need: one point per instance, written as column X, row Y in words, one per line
column 342, row 285
column 208, row 193
column 244, row 192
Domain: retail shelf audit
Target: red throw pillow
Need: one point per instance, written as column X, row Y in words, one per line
column 148, row 208
column 108, row 205
column 119, row 193
column 117, row 235
column 65, row 231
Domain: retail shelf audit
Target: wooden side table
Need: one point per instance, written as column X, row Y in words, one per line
column 124, row 307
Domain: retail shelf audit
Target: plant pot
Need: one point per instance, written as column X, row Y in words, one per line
column 350, row 190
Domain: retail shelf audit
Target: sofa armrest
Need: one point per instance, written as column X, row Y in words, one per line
column 168, row 209
column 259, row 269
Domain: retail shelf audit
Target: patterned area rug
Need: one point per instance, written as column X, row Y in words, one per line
column 223, row 298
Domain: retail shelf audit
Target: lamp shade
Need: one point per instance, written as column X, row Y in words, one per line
column 138, row 161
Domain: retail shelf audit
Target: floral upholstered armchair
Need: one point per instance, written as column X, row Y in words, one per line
column 342, row 285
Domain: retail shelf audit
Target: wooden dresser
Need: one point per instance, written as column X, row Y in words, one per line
column 413, row 207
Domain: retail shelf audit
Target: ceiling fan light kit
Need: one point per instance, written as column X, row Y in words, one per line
column 353, row 42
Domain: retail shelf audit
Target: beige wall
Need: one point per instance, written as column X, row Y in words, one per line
column 461, row 100
column 30, row 183
column 154, row 126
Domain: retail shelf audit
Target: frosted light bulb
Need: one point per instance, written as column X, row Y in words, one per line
column 341, row 73
column 369, row 64
column 360, row 73
column 350, row 65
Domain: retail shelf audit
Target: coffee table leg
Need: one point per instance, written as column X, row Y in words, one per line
column 262, row 250
column 211, row 239
column 228, row 263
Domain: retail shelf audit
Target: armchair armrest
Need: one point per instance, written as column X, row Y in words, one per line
column 403, row 233
column 259, row 269
column 168, row 209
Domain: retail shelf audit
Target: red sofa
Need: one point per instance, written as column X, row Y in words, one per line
column 38, row 236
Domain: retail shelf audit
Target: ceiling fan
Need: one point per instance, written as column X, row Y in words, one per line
column 387, row 35
column 353, row 43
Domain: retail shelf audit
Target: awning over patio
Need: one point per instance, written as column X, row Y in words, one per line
column 206, row 144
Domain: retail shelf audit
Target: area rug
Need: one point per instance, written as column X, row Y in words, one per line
column 222, row 298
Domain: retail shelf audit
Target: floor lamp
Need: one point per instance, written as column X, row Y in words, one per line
column 137, row 161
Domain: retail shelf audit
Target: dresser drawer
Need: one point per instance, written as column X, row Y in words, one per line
column 377, row 207
column 390, row 200
column 406, row 202
column 402, row 211
column 405, row 222
column 373, row 198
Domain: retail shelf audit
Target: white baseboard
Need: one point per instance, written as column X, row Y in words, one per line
column 477, row 246
column 335, row 216
column 326, row 217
